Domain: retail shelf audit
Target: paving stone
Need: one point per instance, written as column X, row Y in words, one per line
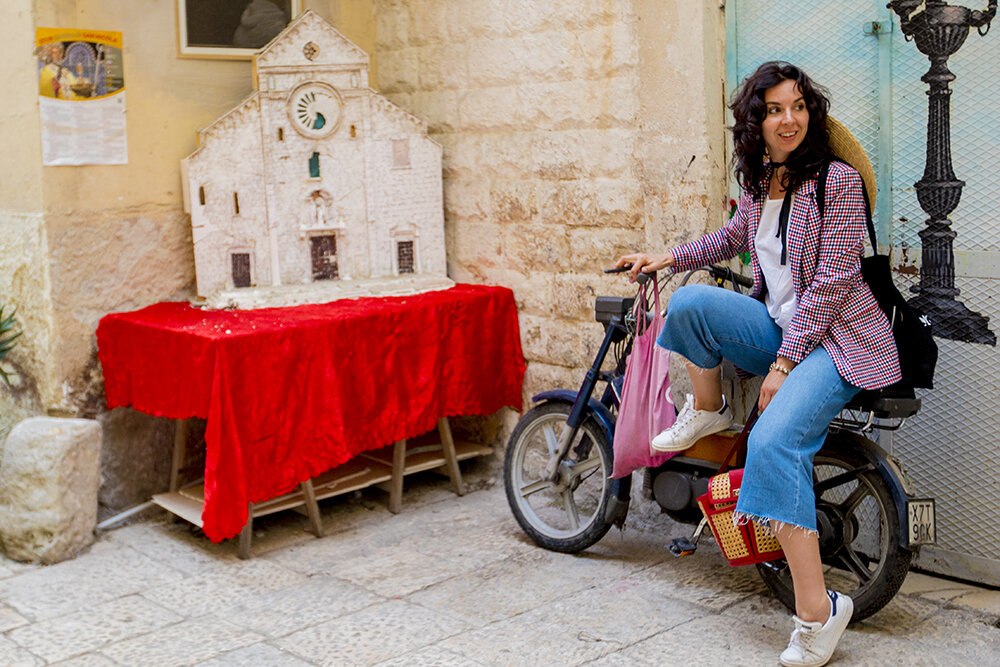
column 500, row 590
column 315, row 600
column 88, row 629
column 212, row 592
column 10, row 619
column 892, row 636
column 902, row 612
column 10, row 568
column 918, row 582
column 391, row 558
column 704, row 578
column 710, row 640
column 263, row 655
column 90, row 660
column 371, row 635
column 182, row 644
column 476, row 591
column 432, row 656
column 954, row 629
column 105, row 572
column 980, row 600
column 572, row 630
column 15, row 656
column 175, row 544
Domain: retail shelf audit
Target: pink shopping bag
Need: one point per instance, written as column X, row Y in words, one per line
column 646, row 407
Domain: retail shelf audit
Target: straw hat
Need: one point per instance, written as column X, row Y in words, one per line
column 847, row 148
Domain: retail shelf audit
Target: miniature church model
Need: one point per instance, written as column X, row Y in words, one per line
column 315, row 187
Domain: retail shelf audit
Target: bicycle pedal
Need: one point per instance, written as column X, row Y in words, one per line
column 681, row 547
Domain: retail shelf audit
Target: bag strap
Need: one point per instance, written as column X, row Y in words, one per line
column 741, row 442
column 786, row 208
column 824, row 173
column 642, row 301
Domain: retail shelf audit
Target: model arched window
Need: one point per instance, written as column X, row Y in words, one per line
column 314, row 166
column 401, row 153
column 201, row 195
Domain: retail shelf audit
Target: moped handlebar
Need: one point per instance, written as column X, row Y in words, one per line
column 641, row 278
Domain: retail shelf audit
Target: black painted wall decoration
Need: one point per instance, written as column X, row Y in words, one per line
column 939, row 30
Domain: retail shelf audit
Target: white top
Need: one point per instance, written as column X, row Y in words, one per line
column 780, row 297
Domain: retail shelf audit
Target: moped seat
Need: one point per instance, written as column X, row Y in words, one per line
column 888, row 403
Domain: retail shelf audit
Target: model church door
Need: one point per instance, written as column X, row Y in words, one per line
column 324, row 257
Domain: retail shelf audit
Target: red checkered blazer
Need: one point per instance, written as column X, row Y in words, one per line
column 835, row 308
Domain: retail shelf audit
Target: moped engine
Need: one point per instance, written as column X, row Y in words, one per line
column 676, row 490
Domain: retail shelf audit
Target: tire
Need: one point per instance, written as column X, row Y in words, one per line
column 567, row 515
column 859, row 545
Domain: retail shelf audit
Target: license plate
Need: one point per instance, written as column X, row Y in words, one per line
column 921, row 524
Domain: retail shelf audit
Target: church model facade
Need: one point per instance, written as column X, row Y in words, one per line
column 315, row 187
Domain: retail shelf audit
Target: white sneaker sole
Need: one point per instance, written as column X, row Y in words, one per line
column 681, row 446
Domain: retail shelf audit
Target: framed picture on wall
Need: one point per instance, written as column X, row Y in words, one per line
column 232, row 29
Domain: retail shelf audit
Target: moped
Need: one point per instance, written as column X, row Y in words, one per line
column 558, row 464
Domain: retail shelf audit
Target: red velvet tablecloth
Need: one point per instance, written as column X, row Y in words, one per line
column 290, row 392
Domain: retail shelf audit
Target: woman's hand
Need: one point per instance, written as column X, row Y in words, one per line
column 645, row 262
column 773, row 382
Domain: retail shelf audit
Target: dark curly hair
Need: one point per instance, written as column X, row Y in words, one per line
column 749, row 112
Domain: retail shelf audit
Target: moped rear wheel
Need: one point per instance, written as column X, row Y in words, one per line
column 859, row 533
column 566, row 514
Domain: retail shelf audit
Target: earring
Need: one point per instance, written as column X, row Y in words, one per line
column 767, row 154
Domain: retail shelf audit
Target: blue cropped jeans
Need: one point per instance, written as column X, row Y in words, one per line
column 706, row 324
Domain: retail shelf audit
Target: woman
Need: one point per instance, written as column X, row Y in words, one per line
column 814, row 329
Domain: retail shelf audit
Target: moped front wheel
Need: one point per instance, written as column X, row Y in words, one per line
column 567, row 513
column 859, row 533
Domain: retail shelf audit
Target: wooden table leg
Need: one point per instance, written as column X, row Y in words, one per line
column 312, row 508
column 180, row 440
column 246, row 535
column 448, row 445
column 396, row 484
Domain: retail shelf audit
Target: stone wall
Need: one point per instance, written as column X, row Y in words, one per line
column 573, row 132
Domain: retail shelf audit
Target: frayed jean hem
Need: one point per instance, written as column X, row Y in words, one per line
column 770, row 526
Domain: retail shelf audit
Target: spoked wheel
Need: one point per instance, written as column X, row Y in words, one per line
column 859, row 533
column 565, row 514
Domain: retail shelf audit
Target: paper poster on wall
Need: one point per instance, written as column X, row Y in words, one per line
column 81, row 96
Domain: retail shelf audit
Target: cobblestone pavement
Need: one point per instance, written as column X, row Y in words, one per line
column 449, row 581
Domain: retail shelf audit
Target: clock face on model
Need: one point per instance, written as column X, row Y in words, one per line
column 315, row 109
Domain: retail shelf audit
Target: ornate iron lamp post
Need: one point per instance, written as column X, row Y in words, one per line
column 939, row 30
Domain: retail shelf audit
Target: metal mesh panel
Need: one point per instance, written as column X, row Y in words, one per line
column 949, row 449
column 791, row 29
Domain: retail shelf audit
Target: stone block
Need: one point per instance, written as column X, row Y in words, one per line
column 399, row 73
column 560, row 342
column 48, row 488
column 532, row 247
column 597, row 248
column 391, row 30
column 443, row 66
column 135, row 458
column 464, row 200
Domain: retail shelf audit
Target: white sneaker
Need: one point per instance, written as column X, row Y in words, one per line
column 692, row 424
column 812, row 644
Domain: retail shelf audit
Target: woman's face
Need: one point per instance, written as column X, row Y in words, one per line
column 785, row 121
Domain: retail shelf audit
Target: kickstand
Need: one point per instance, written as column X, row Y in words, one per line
column 683, row 546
